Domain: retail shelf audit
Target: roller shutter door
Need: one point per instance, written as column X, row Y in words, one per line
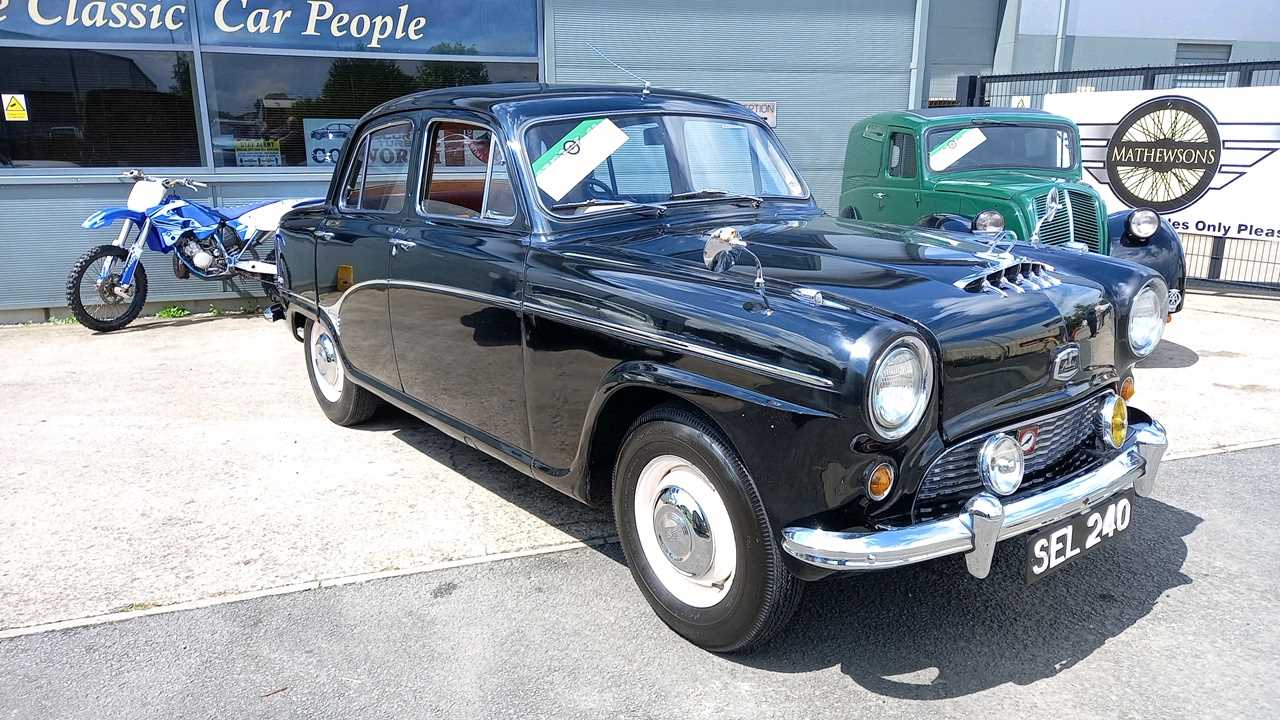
column 826, row 63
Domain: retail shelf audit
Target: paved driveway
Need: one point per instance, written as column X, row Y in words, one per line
column 1177, row 619
column 186, row 461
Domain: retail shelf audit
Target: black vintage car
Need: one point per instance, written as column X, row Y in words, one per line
column 631, row 296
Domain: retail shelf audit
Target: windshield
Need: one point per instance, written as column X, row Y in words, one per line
column 986, row 146
column 600, row 163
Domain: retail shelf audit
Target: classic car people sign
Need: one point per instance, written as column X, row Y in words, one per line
column 485, row 27
column 1205, row 157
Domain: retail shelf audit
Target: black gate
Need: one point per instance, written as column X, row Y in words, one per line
column 1254, row 263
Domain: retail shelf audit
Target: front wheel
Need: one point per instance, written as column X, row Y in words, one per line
column 94, row 292
column 696, row 535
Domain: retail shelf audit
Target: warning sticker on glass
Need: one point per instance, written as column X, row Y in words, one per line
column 575, row 155
column 955, row 147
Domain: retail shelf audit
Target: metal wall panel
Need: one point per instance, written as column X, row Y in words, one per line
column 827, row 63
column 40, row 237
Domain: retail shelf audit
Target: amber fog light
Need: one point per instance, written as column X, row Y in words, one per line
column 1126, row 389
column 880, row 481
column 1113, row 420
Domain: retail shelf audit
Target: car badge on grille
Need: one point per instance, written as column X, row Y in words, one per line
column 1066, row 362
column 1028, row 438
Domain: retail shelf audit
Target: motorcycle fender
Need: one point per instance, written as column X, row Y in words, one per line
column 107, row 216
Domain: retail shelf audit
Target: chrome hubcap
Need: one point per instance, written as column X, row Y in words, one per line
column 685, row 531
column 328, row 368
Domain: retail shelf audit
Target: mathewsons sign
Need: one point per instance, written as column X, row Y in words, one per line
column 1203, row 157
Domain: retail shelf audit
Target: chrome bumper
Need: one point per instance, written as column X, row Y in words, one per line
column 985, row 520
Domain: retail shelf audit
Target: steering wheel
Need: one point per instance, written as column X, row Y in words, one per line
column 596, row 188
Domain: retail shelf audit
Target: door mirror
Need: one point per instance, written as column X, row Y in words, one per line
column 720, row 252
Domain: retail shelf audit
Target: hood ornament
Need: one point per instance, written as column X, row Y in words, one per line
column 720, row 253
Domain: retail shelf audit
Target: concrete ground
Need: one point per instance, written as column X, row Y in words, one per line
column 185, row 461
column 1177, row 619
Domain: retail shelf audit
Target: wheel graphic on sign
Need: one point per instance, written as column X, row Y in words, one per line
column 1164, row 154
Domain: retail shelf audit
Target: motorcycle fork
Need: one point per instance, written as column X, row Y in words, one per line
column 135, row 256
column 125, row 226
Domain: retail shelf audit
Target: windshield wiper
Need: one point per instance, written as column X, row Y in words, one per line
column 597, row 202
column 716, row 193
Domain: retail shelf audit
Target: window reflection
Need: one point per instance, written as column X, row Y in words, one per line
column 289, row 111
column 92, row 108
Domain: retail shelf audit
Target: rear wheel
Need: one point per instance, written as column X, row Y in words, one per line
column 696, row 536
column 94, row 292
column 343, row 402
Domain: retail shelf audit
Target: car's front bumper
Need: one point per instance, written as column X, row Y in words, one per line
column 986, row 520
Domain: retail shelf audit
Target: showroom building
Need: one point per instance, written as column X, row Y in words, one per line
column 255, row 97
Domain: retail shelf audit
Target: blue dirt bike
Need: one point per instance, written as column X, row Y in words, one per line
column 107, row 286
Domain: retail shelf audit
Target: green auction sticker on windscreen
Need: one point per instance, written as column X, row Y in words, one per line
column 575, row 155
column 955, row 147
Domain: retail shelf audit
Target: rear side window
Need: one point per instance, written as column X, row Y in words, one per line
column 902, row 155
column 379, row 173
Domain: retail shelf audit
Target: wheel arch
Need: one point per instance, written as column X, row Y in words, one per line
column 634, row 388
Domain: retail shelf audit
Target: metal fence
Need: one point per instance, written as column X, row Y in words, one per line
column 1237, row 261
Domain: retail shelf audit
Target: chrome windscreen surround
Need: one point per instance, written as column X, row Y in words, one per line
column 1010, row 275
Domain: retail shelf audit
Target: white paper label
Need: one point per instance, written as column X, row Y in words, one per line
column 575, row 155
column 955, row 147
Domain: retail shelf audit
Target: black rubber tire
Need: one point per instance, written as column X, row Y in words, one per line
column 851, row 213
column 354, row 405
column 764, row 594
column 76, row 275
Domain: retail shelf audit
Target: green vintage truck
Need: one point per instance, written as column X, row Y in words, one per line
column 986, row 170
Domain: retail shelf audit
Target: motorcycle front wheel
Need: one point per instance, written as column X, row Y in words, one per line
column 95, row 297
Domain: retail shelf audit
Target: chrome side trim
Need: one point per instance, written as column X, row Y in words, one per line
column 985, row 520
column 681, row 346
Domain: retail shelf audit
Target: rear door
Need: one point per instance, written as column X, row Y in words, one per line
column 456, row 285
column 352, row 250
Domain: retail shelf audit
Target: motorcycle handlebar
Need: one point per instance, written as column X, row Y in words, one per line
column 139, row 176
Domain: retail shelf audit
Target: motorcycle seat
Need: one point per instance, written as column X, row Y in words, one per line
column 231, row 213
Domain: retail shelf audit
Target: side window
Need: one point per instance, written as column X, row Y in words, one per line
column 467, row 174
column 902, row 155
column 379, row 173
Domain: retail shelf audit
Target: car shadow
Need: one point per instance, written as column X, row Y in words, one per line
column 157, row 324
column 1170, row 355
column 931, row 632
column 579, row 521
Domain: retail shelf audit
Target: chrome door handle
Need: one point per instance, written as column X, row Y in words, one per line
column 324, row 234
column 878, row 196
column 402, row 244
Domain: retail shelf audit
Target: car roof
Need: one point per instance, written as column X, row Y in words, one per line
column 518, row 102
column 928, row 117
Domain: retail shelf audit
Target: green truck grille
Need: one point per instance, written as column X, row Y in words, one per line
column 1077, row 221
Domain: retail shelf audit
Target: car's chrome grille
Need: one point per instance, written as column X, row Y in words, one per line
column 1078, row 221
column 1084, row 218
column 1066, row 446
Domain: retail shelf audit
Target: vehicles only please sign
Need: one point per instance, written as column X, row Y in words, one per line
column 1204, row 157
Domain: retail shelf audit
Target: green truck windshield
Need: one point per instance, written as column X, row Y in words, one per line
column 987, row 146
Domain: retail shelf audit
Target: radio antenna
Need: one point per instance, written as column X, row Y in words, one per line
column 609, row 60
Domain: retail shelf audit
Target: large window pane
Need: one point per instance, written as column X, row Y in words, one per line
column 93, row 108
column 292, row 111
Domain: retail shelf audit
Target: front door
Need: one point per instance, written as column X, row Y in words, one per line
column 352, row 244
column 456, row 277
column 897, row 197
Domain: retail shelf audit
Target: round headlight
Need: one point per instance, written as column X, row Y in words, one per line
column 899, row 388
column 1146, row 318
column 988, row 221
column 1143, row 223
column 1000, row 463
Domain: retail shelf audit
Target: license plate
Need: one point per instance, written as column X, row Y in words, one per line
column 1066, row 541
